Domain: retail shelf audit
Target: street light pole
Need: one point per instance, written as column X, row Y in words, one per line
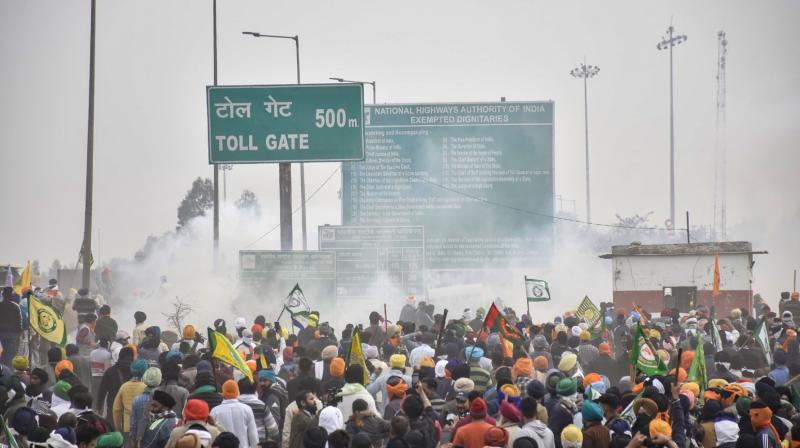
column 216, row 167
column 86, row 249
column 669, row 41
column 285, row 169
column 372, row 83
column 586, row 71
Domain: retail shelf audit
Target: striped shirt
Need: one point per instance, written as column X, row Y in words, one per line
column 481, row 377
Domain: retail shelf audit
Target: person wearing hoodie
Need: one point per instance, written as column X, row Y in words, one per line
column 236, row 416
column 353, row 390
column 123, row 402
column 362, row 420
column 533, row 427
column 265, row 422
column 113, row 378
column 397, row 365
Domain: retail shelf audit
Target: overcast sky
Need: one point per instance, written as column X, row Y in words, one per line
column 154, row 59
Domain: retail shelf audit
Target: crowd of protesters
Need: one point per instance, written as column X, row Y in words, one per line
column 563, row 384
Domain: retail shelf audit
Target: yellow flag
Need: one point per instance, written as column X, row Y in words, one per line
column 356, row 355
column 222, row 350
column 24, row 279
column 46, row 321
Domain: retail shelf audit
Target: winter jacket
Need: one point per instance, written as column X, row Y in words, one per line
column 276, row 402
column 157, row 433
column 179, row 393
column 265, row 422
column 113, row 378
column 123, row 403
column 352, row 392
column 208, row 394
column 375, row 427
column 304, row 381
column 140, row 414
column 300, row 421
column 560, row 417
column 10, row 317
column 106, row 328
column 83, row 370
column 237, row 418
column 595, row 435
column 426, row 424
column 539, row 432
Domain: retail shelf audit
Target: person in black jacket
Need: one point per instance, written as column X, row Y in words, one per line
column 112, row 380
column 10, row 326
column 304, row 380
column 106, row 327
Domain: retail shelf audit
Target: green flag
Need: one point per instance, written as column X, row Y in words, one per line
column 761, row 335
column 644, row 356
column 697, row 371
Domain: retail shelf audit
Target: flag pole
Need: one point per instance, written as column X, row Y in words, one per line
column 528, row 300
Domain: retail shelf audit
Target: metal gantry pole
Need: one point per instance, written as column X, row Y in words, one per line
column 216, row 167
column 586, row 133
column 86, row 249
column 669, row 41
column 671, row 137
column 586, row 71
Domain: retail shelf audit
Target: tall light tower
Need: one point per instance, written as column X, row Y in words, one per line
column 586, row 71
column 720, row 150
column 669, row 41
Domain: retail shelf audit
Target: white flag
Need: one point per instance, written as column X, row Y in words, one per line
column 536, row 290
column 761, row 335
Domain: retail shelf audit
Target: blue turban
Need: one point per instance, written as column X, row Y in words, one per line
column 267, row 374
column 473, row 353
column 139, row 367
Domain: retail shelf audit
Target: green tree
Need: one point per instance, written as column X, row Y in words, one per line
column 249, row 202
column 198, row 199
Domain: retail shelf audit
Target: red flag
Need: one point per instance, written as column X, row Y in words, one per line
column 495, row 322
column 715, row 289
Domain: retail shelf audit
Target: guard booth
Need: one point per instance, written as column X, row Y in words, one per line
column 660, row 276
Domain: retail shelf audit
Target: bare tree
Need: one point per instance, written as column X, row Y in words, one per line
column 180, row 310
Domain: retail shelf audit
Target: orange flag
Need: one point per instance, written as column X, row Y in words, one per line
column 715, row 289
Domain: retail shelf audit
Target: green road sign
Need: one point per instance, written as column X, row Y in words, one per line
column 376, row 262
column 477, row 176
column 280, row 270
column 285, row 123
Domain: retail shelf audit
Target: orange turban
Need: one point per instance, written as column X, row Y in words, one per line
column 591, row 378
column 540, row 363
column 63, row 364
column 398, row 390
column 523, row 367
column 604, row 348
column 686, row 359
column 682, row 375
column 659, row 426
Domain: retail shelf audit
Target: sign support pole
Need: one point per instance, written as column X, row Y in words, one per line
column 527, row 300
column 86, row 248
